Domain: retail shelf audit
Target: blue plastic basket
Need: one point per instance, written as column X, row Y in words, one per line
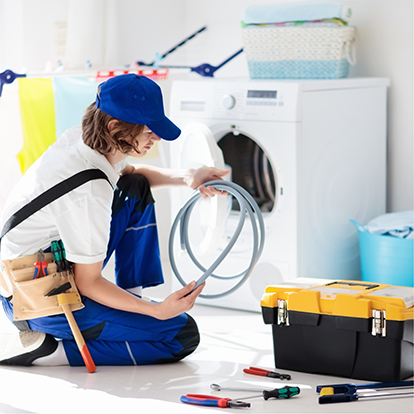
column 385, row 259
column 299, row 69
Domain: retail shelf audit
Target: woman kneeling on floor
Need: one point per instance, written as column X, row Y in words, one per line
column 94, row 220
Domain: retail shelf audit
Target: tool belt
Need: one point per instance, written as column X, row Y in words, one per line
column 31, row 297
column 28, row 295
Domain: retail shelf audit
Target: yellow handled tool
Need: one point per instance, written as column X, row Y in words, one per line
column 64, row 301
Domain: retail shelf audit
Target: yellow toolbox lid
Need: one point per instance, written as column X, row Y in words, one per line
column 345, row 298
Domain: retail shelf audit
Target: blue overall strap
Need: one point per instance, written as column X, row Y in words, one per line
column 51, row 195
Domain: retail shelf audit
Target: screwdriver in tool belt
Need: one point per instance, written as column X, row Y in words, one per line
column 59, row 263
column 55, row 248
column 63, row 252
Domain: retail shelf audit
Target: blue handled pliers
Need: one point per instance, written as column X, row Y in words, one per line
column 211, row 401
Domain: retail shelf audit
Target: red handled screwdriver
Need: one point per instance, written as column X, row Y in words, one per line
column 266, row 373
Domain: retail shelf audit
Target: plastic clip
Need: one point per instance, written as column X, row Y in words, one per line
column 8, row 76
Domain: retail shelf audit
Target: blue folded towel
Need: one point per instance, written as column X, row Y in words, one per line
column 393, row 224
column 293, row 12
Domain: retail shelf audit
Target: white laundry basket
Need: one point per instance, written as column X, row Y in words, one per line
column 299, row 51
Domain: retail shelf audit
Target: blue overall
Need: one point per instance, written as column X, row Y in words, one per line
column 117, row 337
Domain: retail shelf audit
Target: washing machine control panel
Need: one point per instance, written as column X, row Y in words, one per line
column 236, row 99
column 260, row 101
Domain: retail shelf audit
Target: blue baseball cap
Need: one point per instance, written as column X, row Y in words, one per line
column 137, row 100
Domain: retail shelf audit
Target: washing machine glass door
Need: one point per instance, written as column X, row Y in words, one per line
column 198, row 148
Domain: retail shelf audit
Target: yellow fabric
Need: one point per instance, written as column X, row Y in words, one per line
column 38, row 119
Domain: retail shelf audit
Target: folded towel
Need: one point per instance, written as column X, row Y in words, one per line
column 292, row 12
column 394, row 224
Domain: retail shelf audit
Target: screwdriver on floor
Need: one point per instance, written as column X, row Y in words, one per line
column 266, row 373
column 278, row 393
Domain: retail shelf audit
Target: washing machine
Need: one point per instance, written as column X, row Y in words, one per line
column 312, row 153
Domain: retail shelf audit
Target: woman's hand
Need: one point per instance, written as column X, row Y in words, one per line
column 204, row 174
column 90, row 283
column 178, row 302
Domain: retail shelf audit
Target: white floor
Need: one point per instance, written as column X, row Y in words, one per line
column 230, row 341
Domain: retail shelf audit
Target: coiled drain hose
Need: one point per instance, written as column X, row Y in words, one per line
column 248, row 205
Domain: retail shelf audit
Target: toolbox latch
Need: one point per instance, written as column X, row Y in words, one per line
column 378, row 323
column 282, row 313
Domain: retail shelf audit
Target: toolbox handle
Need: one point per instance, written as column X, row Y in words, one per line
column 358, row 226
column 356, row 283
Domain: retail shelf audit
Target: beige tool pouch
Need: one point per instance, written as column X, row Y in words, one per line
column 29, row 299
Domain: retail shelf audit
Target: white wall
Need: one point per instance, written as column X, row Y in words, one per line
column 119, row 32
column 141, row 28
column 27, row 32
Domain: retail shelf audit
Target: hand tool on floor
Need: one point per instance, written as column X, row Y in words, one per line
column 65, row 300
column 211, row 401
column 278, row 393
column 266, row 373
column 350, row 392
column 217, row 387
column 40, row 265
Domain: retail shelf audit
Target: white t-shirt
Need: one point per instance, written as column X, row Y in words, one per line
column 81, row 218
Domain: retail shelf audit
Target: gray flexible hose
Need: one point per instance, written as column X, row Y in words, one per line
column 247, row 205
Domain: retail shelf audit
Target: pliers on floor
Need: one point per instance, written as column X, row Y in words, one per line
column 266, row 373
column 211, row 401
column 40, row 265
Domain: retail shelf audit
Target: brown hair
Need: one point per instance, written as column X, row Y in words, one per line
column 97, row 136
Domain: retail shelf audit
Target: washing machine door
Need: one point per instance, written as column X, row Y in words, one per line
column 198, row 148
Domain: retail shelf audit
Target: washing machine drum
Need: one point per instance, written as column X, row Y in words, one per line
column 251, row 169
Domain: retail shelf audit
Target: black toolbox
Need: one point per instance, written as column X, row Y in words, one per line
column 343, row 328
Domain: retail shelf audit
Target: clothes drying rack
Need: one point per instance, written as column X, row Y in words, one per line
column 8, row 76
column 153, row 70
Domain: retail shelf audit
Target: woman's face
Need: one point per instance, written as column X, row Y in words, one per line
column 145, row 140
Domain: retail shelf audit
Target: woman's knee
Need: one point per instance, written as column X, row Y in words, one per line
column 134, row 183
column 188, row 337
column 132, row 187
